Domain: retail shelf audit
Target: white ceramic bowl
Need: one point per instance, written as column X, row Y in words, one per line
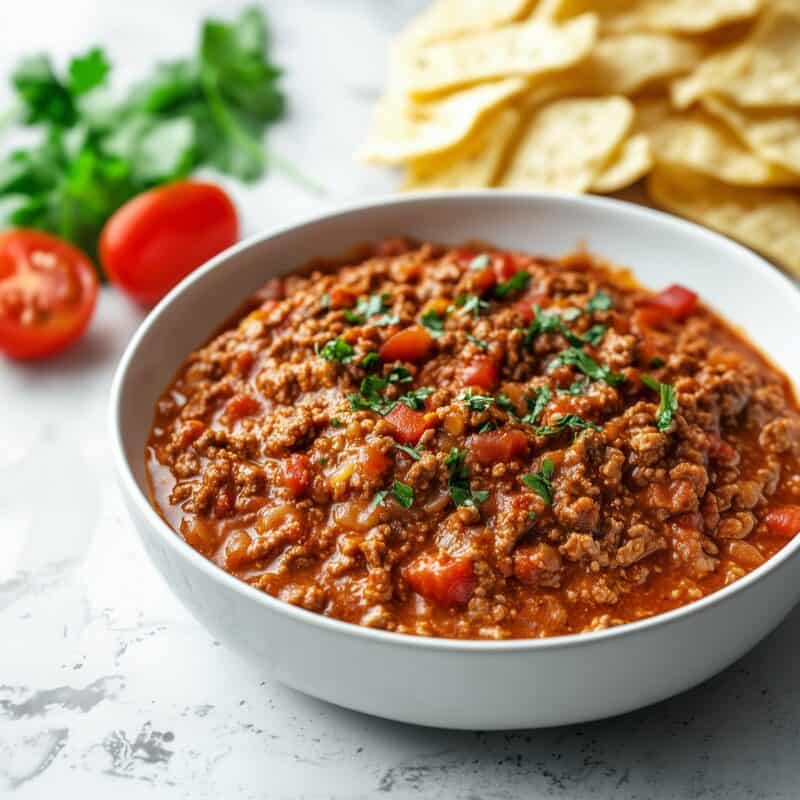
column 440, row 682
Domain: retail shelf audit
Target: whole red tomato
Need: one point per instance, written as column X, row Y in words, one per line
column 48, row 290
column 155, row 240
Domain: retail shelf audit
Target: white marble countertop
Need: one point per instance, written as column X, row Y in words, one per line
column 108, row 686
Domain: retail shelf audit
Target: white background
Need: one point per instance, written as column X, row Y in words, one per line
column 109, row 688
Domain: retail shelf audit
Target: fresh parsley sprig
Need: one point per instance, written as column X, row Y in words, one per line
column 516, row 283
column 668, row 401
column 576, row 357
column 458, row 483
column 573, row 422
column 542, row 481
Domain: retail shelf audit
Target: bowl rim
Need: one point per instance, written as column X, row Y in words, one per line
column 130, row 487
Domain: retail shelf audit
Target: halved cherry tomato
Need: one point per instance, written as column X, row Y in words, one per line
column 483, row 372
column 442, row 579
column 155, row 240
column 48, row 290
column 297, row 474
column 408, row 424
column 674, row 303
column 494, row 446
column 411, row 344
column 783, row 521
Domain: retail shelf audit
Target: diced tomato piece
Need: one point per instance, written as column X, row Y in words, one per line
column 524, row 306
column 783, row 521
column 297, row 474
column 536, row 563
column 408, row 424
column 441, row 579
column 497, row 446
column 342, row 297
column 483, row 372
column 373, row 462
column 240, row 406
column 483, row 280
column 505, row 266
column 411, row 344
column 674, row 303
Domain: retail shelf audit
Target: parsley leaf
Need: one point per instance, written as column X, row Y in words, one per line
column 515, row 283
column 336, row 423
column 668, row 404
column 411, row 452
column 599, row 301
column 325, row 301
column 378, row 499
column 399, row 374
column 369, row 308
column 575, row 357
column 434, row 322
column 476, row 402
column 536, row 404
column 469, row 303
column 370, row 359
column 550, row 323
column 338, row 350
column 403, row 493
column 542, row 481
column 594, row 335
column 656, row 362
column 369, row 397
column 573, row 422
column 458, row 483
column 501, row 401
column 415, row 399
column 576, row 387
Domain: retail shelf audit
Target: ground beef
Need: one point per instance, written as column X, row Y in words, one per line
column 476, row 443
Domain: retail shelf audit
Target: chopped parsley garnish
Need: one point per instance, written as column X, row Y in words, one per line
column 542, row 481
column 369, row 397
column 458, row 484
column 656, row 362
column 501, row 401
column 576, row 357
column 479, row 262
column 411, row 452
column 469, row 303
column 517, row 282
column 487, row 426
column 594, row 335
column 398, row 374
column 531, row 516
column 576, row 387
column 370, row 307
column 377, row 499
column 668, row 404
column 369, row 359
column 570, row 314
column 415, row 399
column 476, row 402
column 403, row 493
column 434, row 322
column 536, row 403
column 338, row 350
column 574, row 422
column 325, row 300
column 599, row 301
column 482, row 343
column 336, row 423
column 553, row 323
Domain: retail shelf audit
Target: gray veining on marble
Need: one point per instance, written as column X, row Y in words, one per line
column 109, row 688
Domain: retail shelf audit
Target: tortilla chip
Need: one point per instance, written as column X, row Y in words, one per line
column 633, row 161
column 672, row 16
column 695, row 140
column 766, row 220
column 448, row 19
column 472, row 165
column 567, row 143
column 772, row 134
column 525, row 49
column 764, row 70
column 403, row 130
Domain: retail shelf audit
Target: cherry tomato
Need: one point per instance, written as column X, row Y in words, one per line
column 444, row 580
column 408, row 424
column 48, row 290
column 674, row 303
column 155, row 240
column 411, row 344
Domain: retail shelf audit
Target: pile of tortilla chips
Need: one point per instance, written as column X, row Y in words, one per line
column 700, row 96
